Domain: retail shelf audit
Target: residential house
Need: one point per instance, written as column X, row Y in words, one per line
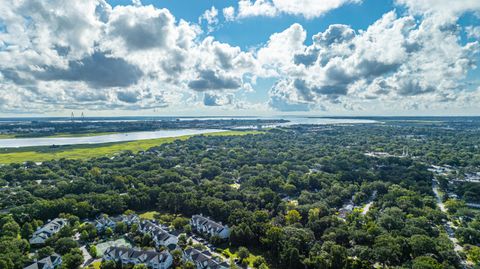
column 47, row 230
column 203, row 259
column 205, row 225
column 152, row 259
column 130, row 219
column 49, row 262
column 160, row 235
column 103, row 222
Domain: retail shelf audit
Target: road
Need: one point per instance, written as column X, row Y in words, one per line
column 449, row 226
column 87, row 258
column 367, row 207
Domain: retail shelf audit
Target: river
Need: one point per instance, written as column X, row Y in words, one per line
column 132, row 136
column 120, row 137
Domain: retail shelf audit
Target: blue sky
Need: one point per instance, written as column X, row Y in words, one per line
column 240, row 57
column 256, row 30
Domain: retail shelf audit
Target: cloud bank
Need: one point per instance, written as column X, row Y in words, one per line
column 90, row 55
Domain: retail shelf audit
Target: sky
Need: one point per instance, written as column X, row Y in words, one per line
column 239, row 57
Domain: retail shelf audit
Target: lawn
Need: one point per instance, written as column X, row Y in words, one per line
column 235, row 186
column 150, row 215
column 94, row 265
column 40, row 154
column 228, row 254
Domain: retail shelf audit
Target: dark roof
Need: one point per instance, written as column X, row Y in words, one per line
column 208, row 222
column 45, row 262
column 141, row 255
column 156, row 231
column 50, row 228
column 204, row 258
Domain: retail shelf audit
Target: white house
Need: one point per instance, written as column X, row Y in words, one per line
column 129, row 220
column 160, row 236
column 153, row 259
column 47, row 230
column 203, row 259
column 50, row 262
column 103, row 221
column 205, row 225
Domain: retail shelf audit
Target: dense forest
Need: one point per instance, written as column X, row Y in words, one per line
column 283, row 192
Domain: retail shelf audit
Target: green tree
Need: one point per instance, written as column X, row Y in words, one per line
column 243, row 253
column 263, row 266
column 108, row 232
column 93, row 251
column 84, row 236
column 177, row 257
column 386, row 249
column 474, row 254
column 292, row 217
column 182, row 240
column 259, row 261
column 188, row 265
column 121, row 228
column 108, row 265
column 45, row 252
column 187, row 229
column 421, row 245
column 10, row 228
column 64, row 245
column 73, row 259
column 27, row 230
column 179, row 222
column 426, row 262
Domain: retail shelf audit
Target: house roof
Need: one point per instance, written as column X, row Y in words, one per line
column 205, row 221
column 141, row 256
column 50, row 228
column 204, row 259
column 156, row 231
column 46, row 262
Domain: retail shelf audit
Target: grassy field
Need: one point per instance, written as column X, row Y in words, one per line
column 40, row 154
column 95, row 265
column 232, row 255
column 150, row 215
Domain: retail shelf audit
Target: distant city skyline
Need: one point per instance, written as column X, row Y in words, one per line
column 239, row 58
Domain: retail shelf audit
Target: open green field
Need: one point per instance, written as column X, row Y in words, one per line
column 40, row 154
column 232, row 255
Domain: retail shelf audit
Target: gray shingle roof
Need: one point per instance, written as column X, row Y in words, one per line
column 47, row 262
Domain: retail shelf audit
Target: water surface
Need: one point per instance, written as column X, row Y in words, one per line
column 120, row 137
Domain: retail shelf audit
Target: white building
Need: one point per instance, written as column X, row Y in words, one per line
column 205, row 225
column 160, row 235
column 47, row 230
column 203, row 259
column 152, row 259
column 103, row 221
